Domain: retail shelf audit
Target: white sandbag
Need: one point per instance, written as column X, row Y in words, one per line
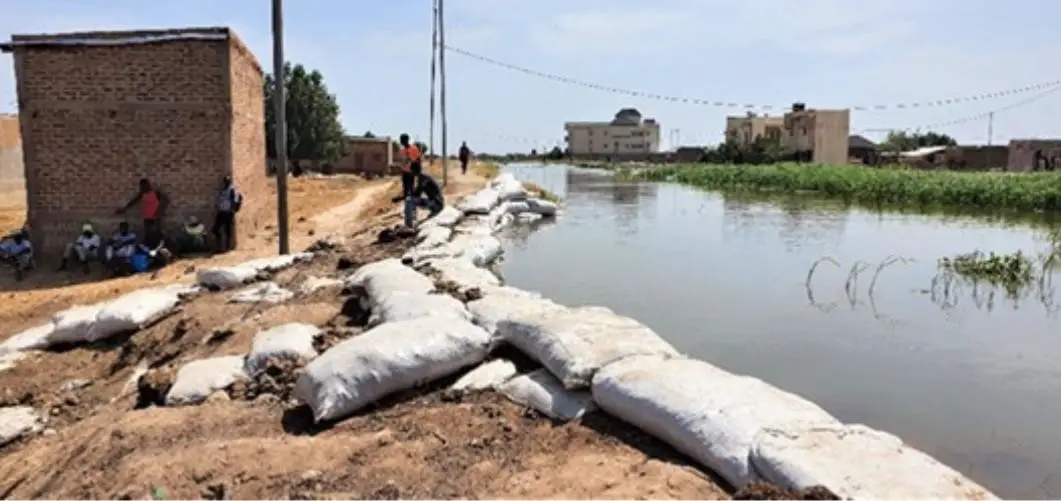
column 542, row 392
column 392, row 357
column 481, row 202
column 433, row 236
column 487, row 376
column 465, row 274
column 72, row 324
column 292, row 341
column 197, row 380
column 400, row 306
column 379, row 279
column 277, row 263
column 34, row 338
column 514, row 208
column 473, row 226
column 498, row 306
column 448, row 217
column 265, row 292
column 417, row 257
column 503, row 221
column 541, row 207
column 575, row 343
column 508, row 188
column 18, row 421
column 228, row 277
column 856, row 462
column 132, row 312
column 483, row 250
column 314, row 284
column 182, row 291
column 703, row 411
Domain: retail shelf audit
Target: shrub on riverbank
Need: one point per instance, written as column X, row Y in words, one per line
column 988, row 190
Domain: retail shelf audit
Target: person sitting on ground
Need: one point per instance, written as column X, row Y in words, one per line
column 192, row 239
column 121, row 246
column 152, row 252
column 84, row 249
column 19, row 253
column 427, row 194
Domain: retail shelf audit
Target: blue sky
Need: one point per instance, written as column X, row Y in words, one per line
column 375, row 57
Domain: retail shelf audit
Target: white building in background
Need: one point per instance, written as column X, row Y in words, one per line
column 626, row 135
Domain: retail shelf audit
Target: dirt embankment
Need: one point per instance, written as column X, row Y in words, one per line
column 108, row 438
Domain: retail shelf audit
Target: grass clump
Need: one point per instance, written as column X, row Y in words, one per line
column 1039, row 191
column 1011, row 271
column 540, row 192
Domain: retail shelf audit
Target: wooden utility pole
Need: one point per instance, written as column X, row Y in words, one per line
column 442, row 85
column 280, row 126
column 434, row 71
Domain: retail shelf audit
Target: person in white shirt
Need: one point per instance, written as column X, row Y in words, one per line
column 84, row 249
column 122, row 244
column 18, row 252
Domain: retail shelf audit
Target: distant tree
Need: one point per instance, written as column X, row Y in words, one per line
column 368, row 135
column 555, row 154
column 762, row 150
column 905, row 141
column 423, row 147
column 313, row 128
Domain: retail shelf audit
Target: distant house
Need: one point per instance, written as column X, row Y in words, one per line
column 365, row 156
column 862, row 150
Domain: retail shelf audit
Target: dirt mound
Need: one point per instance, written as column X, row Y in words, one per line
column 764, row 490
column 278, row 378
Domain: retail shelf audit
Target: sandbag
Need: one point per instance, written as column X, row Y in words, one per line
column 515, row 208
column 482, row 250
column 390, row 275
column 703, row 411
column 481, row 202
column 508, row 187
column 464, row 274
column 575, row 343
column 392, row 357
column 856, row 462
column 72, row 324
column 265, row 292
column 448, row 217
column 18, row 421
column 277, row 263
column 498, row 306
column 541, row 207
column 34, row 338
column 132, row 312
column 197, row 380
column 400, row 306
column 487, row 376
column 292, row 341
column 417, row 257
column 542, row 392
column 228, row 277
column 433, row 236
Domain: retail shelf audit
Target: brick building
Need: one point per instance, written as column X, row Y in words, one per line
column 100, row 110
column 1034, row 155
column 12, row 177
column 366, row 156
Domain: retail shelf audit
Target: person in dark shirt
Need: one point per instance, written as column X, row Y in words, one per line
column 464, row 156
column 426, row 194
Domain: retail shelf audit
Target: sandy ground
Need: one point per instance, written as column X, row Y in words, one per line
column 107, row 438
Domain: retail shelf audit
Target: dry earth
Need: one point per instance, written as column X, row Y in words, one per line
column 106, row 438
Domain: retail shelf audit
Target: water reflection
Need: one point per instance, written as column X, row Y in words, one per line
column 518, row 234
column 725, row 278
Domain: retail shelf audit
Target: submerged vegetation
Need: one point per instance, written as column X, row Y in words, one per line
column 1039, row 191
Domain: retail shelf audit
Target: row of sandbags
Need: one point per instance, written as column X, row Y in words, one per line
column 134, row 310
column 508, row 194
column 740, row 427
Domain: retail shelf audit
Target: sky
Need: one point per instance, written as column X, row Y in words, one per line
column 375, row 57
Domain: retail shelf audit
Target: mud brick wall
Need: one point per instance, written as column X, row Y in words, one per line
column 248, row 140
column 1022, row 153
column 12, row 177
column 367, row 156
column 97, row 118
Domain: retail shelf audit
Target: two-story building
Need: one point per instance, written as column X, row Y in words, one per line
column 627, row 136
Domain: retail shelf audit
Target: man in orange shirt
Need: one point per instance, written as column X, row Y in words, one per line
column 411, row 165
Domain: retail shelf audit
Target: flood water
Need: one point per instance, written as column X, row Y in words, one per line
column 974, row 382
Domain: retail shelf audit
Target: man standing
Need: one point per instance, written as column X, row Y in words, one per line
column 228, row 204
column 464, row 155
column 411, row 165
column 153, row 204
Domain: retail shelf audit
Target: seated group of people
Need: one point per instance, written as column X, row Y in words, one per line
column 123, row 253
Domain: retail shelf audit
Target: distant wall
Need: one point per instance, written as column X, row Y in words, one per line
column 1022, row 154
column 12, row 174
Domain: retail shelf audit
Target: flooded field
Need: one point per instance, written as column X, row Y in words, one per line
column 962, row 372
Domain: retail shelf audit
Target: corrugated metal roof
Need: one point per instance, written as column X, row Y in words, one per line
column 922, row 152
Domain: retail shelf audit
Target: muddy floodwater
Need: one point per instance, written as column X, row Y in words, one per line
column 972, row 379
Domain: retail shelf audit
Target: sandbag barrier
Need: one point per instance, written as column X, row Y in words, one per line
column 740, row 427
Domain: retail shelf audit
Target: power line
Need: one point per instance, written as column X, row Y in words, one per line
column 723, row 104
column 973, row 118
